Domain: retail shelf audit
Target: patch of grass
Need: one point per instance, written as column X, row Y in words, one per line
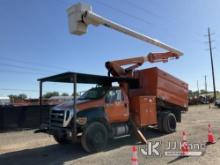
column 218, row 95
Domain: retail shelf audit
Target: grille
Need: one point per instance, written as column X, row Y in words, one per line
column 57, row 118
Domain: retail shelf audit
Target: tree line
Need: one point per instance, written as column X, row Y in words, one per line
column 201, row 92
column 47, row 95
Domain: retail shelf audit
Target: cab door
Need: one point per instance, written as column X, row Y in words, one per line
column 116, row 108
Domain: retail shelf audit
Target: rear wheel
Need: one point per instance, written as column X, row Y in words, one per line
column 169, row 123
column 160, row 121
column 95, row 137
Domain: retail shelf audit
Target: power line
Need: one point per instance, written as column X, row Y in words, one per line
column 20, row 67
column 131, row 3
column 17, row 65
column 26, row 90
column 26, row 69
column 35, row 63
column 20, row 72
column 160, row 27
column 136, row 17
column 123, row 12
column 16, row 89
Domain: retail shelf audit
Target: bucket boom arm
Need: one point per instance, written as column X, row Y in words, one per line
column 81, row 15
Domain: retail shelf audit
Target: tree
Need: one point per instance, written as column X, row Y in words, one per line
column 193, row 93
column 202, row 91
column 77, row 94
column 19, row 97
column 50, row 94
column 22, row 96
column 64, row 94
column 12, row 97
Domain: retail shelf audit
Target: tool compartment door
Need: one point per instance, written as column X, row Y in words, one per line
column 144, row 110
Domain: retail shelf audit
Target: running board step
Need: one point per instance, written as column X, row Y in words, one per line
column 123, row 136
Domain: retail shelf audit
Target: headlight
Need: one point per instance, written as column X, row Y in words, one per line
column 81, row 120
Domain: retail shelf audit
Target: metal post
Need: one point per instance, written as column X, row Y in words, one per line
column 74, row 106
column 40, row 99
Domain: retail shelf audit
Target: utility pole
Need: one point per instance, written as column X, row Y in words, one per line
column 206, row 85
column 212, row 65
column 198, row 87
column 206, row 91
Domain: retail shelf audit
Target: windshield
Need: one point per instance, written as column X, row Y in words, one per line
column 94, row 93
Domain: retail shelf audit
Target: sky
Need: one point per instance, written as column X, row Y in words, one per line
column 35, row 41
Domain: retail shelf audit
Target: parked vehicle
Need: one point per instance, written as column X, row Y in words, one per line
column 217, row 103
column 4, row 101
column 54, row 100
column 147, row 97
column 152, row 98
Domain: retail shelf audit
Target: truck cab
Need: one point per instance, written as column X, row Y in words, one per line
column 100, row 113
column 108, row 104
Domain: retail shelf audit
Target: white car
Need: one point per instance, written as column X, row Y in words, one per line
column 4, row 101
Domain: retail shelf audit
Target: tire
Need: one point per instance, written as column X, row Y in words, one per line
column 95, row 137
column 169, row 123
column 61, row 140
column 160, row 121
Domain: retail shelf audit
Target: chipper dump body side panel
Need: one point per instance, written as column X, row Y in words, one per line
column 155, row 82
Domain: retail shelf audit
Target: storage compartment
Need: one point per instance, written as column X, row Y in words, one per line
column 143, row 110
column 155, row 82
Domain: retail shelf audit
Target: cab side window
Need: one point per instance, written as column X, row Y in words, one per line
column 113, row 96
column 119, row 95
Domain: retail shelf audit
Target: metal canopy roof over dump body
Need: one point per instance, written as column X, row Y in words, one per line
column 68, row 77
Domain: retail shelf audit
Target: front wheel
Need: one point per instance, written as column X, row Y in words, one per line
column 61, row 139
column 95, row 137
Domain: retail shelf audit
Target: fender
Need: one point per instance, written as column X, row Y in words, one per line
column 94, row 114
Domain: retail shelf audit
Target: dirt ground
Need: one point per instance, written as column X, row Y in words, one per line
column 24, row 147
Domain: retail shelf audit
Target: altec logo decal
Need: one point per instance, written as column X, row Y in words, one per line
column 172, row 148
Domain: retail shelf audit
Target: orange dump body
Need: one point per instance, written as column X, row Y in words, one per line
column 156, row 86
column 155, row 82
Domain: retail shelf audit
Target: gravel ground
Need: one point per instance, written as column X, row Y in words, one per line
column 25, row 147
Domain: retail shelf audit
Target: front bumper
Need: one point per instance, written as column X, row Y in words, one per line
column 59, row 131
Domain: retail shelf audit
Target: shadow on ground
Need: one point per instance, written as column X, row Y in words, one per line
column 59, row 154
